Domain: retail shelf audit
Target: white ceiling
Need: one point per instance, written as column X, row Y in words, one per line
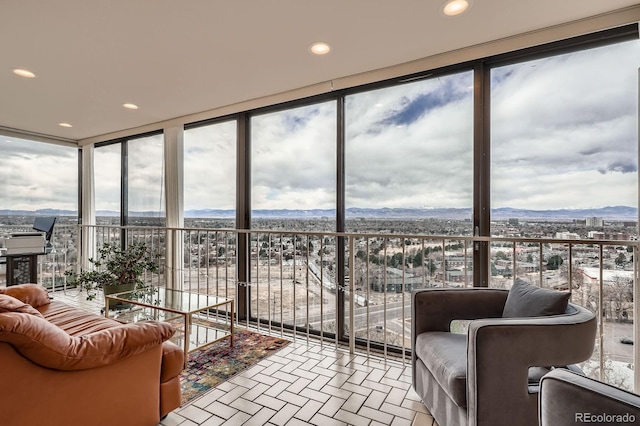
column 179, row 57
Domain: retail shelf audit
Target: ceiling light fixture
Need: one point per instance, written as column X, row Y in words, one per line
column 64, row 125
column 455, row 7
column 320, row 48
column 130, row 106
column 23, row 73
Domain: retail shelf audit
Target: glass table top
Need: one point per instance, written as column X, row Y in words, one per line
column 170, row 300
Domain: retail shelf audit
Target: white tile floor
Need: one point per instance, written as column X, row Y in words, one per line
column 305, row 383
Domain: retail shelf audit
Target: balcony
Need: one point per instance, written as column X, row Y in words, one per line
column 352, row 291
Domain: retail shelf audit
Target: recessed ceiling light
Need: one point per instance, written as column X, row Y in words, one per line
column 64, row 125
column 23, row 73
column 455, row 7
column 130, row 106
column 320, row 48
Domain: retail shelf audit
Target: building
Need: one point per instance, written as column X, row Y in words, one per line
column 594, row 222
column 567, row 235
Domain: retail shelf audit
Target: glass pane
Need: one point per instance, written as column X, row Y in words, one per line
column 36, row 177
column 564, row 144
column 409, row 157
column 107, row 175
column 409, row 169
column 39, row 180
column 146, row 181
column 293, row 188
column 617, row 309
column 564, row 165
column 210, row 176
column 294, row 169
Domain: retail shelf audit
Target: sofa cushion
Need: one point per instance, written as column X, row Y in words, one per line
column 32, row 294
column 445, row 355
column 45, row 344
column 74, row 321
column 11, row 304
column 526, row 300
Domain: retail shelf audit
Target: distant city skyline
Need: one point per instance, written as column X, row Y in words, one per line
column 615, row 213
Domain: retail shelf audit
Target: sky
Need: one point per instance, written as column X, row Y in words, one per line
column 563, row 135
column 37, row 175
column 564, row 130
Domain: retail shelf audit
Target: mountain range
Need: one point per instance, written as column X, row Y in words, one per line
column 607, row 213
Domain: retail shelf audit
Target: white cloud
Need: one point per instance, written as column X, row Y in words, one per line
column 210, row 166
column 564, row 130
column 37, row 176
column 294, row 158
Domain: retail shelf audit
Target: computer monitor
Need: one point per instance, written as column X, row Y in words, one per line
column 45, row 224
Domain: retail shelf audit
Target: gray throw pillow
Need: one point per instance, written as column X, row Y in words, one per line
column 526, row 300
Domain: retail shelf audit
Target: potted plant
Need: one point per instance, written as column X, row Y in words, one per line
column 116, row 270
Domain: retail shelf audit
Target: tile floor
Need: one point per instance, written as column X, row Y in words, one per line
column 304, row 383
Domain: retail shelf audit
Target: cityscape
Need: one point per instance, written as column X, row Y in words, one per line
column 294, row 263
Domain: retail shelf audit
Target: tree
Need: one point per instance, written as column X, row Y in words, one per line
column 621, row 259
column 554, row 262
column 417, row 259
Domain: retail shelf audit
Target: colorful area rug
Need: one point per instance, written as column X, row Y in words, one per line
column 212, row 365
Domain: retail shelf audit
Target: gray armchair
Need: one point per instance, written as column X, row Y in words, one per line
column 567, row 398
column 490, row 375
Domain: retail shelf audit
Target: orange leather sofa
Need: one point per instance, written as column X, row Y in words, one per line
column 60, row 365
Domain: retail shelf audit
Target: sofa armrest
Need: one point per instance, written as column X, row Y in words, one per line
column 500, row 352
column 31, row 294
column 49, row 346
column 433, row 309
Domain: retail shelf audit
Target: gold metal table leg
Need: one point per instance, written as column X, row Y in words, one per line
column 187, row 333
column 231, row 327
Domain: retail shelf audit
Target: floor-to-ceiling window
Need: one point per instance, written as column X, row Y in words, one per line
column 564, row 165
column 293, row 187
column 210, row 202
column 409, row 170
column 40, row 179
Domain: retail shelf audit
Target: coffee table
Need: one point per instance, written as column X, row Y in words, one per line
column 183, row 304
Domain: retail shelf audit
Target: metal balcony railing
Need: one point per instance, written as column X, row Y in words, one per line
column 292, row 283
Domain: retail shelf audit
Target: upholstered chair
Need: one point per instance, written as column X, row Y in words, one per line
column 489, row 376
column 567, row 398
